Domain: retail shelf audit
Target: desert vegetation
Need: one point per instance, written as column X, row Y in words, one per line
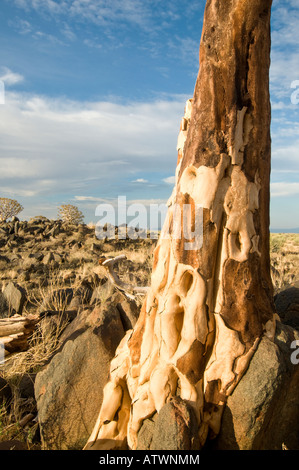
column 284, row 249
column 70, row 214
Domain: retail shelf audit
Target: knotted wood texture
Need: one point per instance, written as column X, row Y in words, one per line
column 207, row 307
column 14, row 333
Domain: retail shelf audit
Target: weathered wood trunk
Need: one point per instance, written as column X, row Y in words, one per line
column 14, row 333
column 209, row 303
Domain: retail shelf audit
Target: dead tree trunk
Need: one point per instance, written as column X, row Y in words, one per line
column 207, row 306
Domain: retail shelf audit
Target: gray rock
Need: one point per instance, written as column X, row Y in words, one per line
column 48, row 258
column 15, row 297
column 287, row 306
column 5, row 259
column 261, row 414
column 174, row 428
column 36, row 257
column 26, row 386
column 128, row 310
column 263, row 411
column 145, row 434
column 4, row 309
column 69, row 389
column 54, row 231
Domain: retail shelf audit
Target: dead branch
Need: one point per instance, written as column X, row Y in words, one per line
column 129, row 290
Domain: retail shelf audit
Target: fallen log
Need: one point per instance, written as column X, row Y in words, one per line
column 15, row 331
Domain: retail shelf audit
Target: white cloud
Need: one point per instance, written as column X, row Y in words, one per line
column 9, row 77
column 92, row 43
column 286, row 157
column 284, row 54
column 48, row 37
column 89, row 198
column 96, row 11
column 15, row 192
column 68, row 32
column 94, row 150
column 169, row 180
column 21, row 25
column 285, row 17
column 284, row 188
column 140, row 180
column 186, row 49
column 105, row 13
column 72, row 146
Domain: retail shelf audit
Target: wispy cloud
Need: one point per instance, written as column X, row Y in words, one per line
column 48, row 37
column 285, row 17
column 284, row 188
column 68, row 33
column 49, row 5
column 186, row 49
column 96, row 11
column 286, row 157
column 22, row 26
column 152, row 18
column 92, row 43
column 140, row 180
column 169, row 180
column 73, row 146
column 9, row 77
column 25, row 28
column 285, row 43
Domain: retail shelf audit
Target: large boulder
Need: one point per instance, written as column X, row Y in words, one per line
column 4, row 309
column 263, row 411
column 69, row 389
column 174, row 428
column 261, row 414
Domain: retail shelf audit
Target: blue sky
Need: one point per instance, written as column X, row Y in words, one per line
column 94, row 94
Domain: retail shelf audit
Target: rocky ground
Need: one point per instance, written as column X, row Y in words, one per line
column 50, row 394
column 52, row 269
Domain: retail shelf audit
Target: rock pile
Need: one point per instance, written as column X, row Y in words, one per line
column 50, row 269
column 31, row 251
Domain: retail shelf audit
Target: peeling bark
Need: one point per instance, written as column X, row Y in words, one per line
column 207, row 307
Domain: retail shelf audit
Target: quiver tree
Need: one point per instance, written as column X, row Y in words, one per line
column 9, row 208
column 70, row 214
column 207, row 307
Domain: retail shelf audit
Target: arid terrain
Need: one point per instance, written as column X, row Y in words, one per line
column 53, row 270
column 284, row 249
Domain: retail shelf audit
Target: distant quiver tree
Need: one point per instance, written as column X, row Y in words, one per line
column 70, row 214
column 9, row 208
